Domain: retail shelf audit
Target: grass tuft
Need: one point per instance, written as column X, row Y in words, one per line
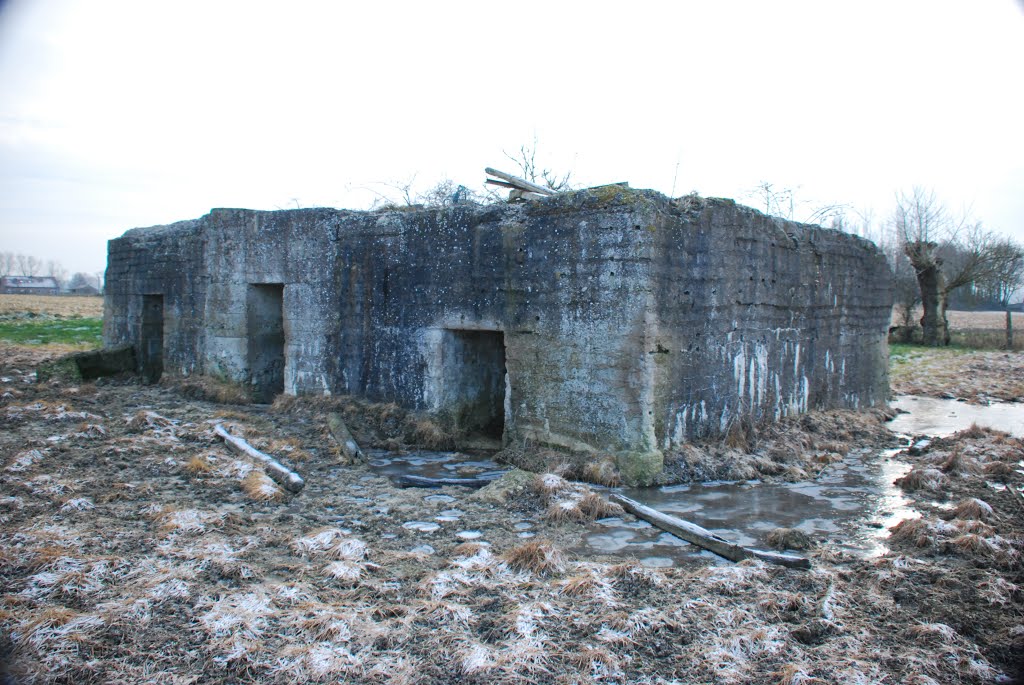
column 594, row 507
column 789, row 538
column 198, row 466
column 537, row 556
column 973, row 508
column 923, row 478
column 260, row 488
column 916, row 532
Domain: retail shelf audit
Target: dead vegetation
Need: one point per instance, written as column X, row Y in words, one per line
column 796, row 448
column 141, row 553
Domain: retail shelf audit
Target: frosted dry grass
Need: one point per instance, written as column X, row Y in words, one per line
column 313, row 632
column 55, row 412
column 570, row 501
column 25, row 460
column 330, row 543
column 260, row 487
column 208, row 602
column 186, row 521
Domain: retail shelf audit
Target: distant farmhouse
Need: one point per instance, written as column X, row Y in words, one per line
column 29, row 285
column 612, row 320
column 84, row 289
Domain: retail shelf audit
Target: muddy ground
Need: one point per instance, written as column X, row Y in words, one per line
column 135, row 548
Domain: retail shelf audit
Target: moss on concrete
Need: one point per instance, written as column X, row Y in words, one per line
column 639, row 469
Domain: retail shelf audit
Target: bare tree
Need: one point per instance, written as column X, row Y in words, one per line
column 56, row 270
column 946, row 253
column 8, row 263
column 29, row 265
column 1006, row 279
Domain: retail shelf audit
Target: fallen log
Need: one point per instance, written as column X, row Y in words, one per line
column 702, row 537
column 286, row 478
column 425, row 482
column 342, row 435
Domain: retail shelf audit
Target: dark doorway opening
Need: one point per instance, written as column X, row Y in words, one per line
column 152, row 342
column 475, row 380
column 265, row 317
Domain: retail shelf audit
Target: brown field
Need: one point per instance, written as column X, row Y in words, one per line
column 982, row 320
column 971, row 320
column 54, row 305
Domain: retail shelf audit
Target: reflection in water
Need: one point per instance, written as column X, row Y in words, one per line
column 939, row 418
column 852, row 505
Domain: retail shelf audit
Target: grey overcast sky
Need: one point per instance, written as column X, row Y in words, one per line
column 116, row 114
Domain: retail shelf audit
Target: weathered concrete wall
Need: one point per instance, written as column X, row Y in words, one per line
column 759, row 318
column 162, row 260
column 625, row 322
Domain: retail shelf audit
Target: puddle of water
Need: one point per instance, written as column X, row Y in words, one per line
column 433, row 465
column 939, row 418
column 421, row 526
column 447, row 499
column 469, row 534
column 852, row 505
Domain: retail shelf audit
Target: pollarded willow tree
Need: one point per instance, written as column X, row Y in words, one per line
column 946, row 253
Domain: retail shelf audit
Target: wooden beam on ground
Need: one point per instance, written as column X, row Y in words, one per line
column 286, row 478
column 702, row 537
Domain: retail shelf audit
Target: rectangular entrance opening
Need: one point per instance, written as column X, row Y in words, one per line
column 475, row 379
column 265, row 321
column 152, row 342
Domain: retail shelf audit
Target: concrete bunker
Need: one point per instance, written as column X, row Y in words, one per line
column 151, row 360
column 607, row 322
column 264, row 307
